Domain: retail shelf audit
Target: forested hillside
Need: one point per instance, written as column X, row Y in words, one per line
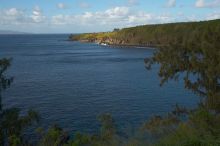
column 153, row 35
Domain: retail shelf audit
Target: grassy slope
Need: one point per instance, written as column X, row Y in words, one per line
column 159, row 34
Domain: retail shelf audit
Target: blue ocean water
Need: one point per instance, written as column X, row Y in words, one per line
column 71, row 83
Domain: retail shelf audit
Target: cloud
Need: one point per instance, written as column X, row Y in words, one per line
column 61, row 6
column 12, row 15
column 212, row 16
column 210, row 4
column 84, row 5
column 13, row 12
column 132, row 2
column 171, row 3
column 200, row 3
column 37, row 15
column 114, row 17
column 110, row 16
column 117, row 12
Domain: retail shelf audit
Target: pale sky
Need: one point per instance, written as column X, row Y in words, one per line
column 78, row 16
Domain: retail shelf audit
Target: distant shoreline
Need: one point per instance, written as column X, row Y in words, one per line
column 120, row 45
column 125, row 46
column 149, row 36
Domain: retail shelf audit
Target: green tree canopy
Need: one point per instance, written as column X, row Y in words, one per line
column 198, row 59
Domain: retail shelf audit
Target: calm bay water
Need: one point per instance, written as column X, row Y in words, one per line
column 70, row 83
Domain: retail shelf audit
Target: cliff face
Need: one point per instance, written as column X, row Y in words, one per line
column 152, row 35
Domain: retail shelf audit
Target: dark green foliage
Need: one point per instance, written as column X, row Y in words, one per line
column 159, row 125
column 198, row 58
column 116, row 29
column 5, row 81
column 11, row 123
column 106, row 137
column 81, row 140
column 163, row 34
column 201, row 129
column 55, row 136
column 108, row 126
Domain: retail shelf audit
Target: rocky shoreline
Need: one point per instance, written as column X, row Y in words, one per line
column 117, row 43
